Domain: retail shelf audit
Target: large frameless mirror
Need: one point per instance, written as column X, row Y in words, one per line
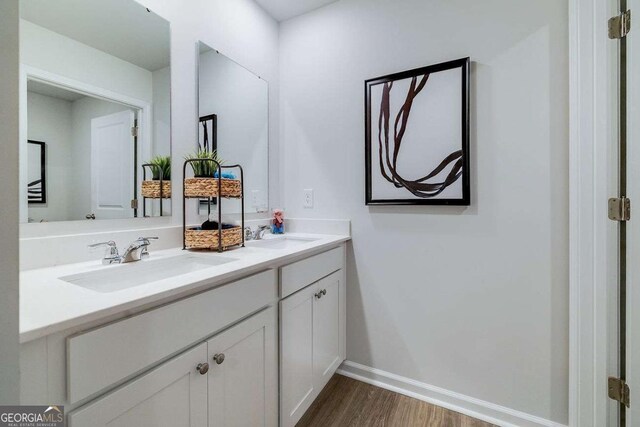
column 233, row 120
column 96, row 122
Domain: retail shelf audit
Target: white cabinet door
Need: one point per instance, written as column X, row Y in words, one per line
column 243, row 379
column 172, row 395
column 326, row 329
column 297, row 390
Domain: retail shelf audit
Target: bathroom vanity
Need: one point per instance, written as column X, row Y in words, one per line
column 248, row 337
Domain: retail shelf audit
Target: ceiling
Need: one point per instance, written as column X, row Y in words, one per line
column 52, row 91
column 122, row 28
column 282, row 10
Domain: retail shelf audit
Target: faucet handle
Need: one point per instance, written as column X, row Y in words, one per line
column 145, row 242
column 111, row 255
column 248, row 233
column 112, row 249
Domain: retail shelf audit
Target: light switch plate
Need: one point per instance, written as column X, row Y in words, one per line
column 308, row 198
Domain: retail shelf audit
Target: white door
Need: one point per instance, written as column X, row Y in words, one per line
column 112, row 165
column 172, row 395
column 326, row 329
column 243, row 378
column 297, row 385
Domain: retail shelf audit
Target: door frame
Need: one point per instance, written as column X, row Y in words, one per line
column 593, row 262
column 28, row 72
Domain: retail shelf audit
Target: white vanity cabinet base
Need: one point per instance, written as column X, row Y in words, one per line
column 112, row 353
column 243, row 388
column 296, row 356
column 172, row 395
column 326, row 330
column 312, row 331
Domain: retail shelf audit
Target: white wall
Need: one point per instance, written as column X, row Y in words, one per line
column 9, row 123
column 473, row 300
column 44, row 49
column 49, row 121
column 241, row 101
column 240, row 30
column 161, row 145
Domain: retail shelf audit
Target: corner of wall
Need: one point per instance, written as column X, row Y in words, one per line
column 9, row 123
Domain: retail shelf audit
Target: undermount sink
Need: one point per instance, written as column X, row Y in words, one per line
column 280, row 242
column 130, row 275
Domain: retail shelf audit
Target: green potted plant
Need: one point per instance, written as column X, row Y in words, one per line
column 204, row 169
column 160, row 166
column 205, row 181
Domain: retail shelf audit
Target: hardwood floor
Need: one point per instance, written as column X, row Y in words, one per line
column 347, row 402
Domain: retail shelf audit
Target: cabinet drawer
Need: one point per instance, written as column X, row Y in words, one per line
column 300, row 274
column 110, row 354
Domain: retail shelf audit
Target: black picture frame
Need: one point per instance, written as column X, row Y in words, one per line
column 465, row 200
column 37, row 189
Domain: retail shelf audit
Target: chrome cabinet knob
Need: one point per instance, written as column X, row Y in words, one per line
column 218, row 358
column 323, row 292
column 318, row 295
column 202, row 368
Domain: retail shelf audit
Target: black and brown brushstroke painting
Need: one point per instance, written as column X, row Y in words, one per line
column 391, row 128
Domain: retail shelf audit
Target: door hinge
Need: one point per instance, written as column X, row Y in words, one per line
column 619, row 390
column 134, row 203
column 619, row 26
column 134, row 131
column 619, row 209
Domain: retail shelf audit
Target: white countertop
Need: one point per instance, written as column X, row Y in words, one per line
column 49, row 305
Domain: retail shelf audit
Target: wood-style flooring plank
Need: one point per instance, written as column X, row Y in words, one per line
column 346, row 402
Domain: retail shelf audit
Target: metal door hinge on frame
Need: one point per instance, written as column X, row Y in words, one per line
column 619, row 209
column 134, row 131
column 619, row 391
column 134, row 203
column 619, row 26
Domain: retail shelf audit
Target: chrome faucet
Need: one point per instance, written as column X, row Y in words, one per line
column 135, row 252
column 111, row 256
column 255, row 235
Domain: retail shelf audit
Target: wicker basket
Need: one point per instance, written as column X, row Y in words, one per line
column 208, row 239
column 208, row 187
column 151, row 189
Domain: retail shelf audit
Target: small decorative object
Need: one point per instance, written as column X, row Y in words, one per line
column 160, row 184
column 277, row 226
column 37, row 172
column 417, row 136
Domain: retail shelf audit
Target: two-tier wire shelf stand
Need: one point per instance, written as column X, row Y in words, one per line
column 214, row 190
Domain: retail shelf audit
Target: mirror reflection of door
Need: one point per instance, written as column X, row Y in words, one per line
column 112, row 165
column 90, row 148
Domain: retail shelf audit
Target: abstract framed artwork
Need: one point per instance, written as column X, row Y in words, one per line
column 417, row 136
column 37, row 172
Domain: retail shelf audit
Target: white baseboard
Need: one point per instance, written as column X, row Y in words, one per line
column 457, row 402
